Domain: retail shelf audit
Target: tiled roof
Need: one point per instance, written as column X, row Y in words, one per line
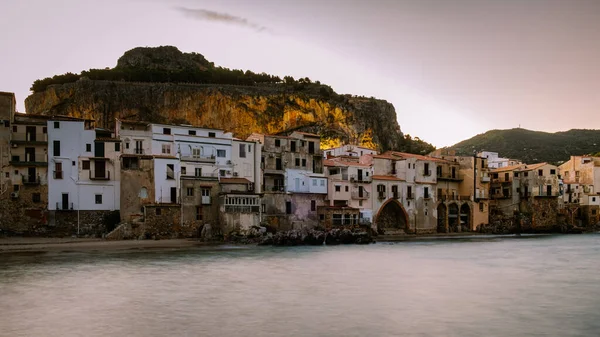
column 235, row 181
column 391, row 178
column 532, row 167
column 506, row 169
column 339, row 162
column 416, row 156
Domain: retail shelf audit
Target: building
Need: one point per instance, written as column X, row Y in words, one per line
column 294, row 184
column 194, row 173
column 403, row 195
column 581, row 197
column 348, row 151
column 503, row 192
column 539, row 188
column 349, row 191
column 84, row 177
column 7, row 111
column 494, row 161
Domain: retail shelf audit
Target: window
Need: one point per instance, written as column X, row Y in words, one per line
column 212, row 135
column 44, row 130
column 594, row 199
column 346, row 188
column 322, row 182
column 166, row 148
column 190, row 191
column 88, row 147
column 242, row 150
column 566, row 173
column 73, row 163
column 525, row 174
column 166, row 131
column 127, row 145
column 192, row 132
column 117, row 147
column 15, row 128
column 56, row 148
column 7, row 174
column 516, row 174
column 206, row 192
column 321, row 216
column 198, row 172
column 249, row 148
column 314, row 182
column 577, row 173
column 540, row 172
column 426, row 192
column 158, row 211
column 57, row 125
column 360, row 203
column 130, row 163
column 183, row 170
column 311, row 147
column 303, row 162
column 593, row 212
column 426, row 169
column 85, row 165
column 58, row 174
column 292, row 146
column 313, row 205
column 409, row 192
column 221, row 153
column 277, row 142
column 222, row 173
column 288, row 207
column 36, row 197
column 98, row 199
column 170, row 171
column 552, row 171
column 338, row 188
column 143, row 193
column 198, row 213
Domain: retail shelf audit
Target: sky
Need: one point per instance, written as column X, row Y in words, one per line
column 451, row 68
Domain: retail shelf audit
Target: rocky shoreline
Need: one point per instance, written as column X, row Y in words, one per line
column 305, row 237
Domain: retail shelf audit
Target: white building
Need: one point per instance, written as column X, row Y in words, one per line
column 348, row 150
column 83, row 165
column 494, row 161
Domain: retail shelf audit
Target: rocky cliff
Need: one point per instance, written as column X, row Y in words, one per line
column 269, row 106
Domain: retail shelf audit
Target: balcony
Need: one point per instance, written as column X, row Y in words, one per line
column 448, row 176
column 199, row 159
column 485, row 179
column 206, row 200
column 426, row 173
column 57, row 174
column 360, row 196
column 30, row 159
column 360, row 179
column 202, row 176
column 274, row 188
column 99, row 175
column 138, row 150
column 395, row 195
column 30, row 180
column 64, row 207
column 29, row 138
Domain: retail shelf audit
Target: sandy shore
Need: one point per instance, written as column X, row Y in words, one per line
column 17, row 244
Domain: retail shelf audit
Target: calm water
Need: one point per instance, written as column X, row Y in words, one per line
column 543, row 286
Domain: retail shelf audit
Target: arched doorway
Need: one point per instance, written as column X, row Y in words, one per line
column 465, row 218
column 391, row 216
column 453, row 221
column 441, row 218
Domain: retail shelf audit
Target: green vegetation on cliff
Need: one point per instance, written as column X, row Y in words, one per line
column 167, row 86
column 533, row 146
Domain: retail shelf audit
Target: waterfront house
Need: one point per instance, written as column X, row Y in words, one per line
column 581, row 186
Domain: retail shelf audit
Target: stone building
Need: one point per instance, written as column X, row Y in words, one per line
column 403, row 195
column 349, row 189
column 581, row 187
column 7, row 111
column 293, row 184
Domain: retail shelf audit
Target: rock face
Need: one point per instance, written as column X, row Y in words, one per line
column 242, row 109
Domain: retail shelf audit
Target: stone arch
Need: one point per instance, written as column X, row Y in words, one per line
column 453, row 220
column 442, row 224
column 465, row 217
column 392, row 215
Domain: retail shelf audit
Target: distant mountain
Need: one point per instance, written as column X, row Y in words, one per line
column 533, row 146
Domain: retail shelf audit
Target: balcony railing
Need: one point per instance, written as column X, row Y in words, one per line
column 381, row 195
column 395, row 195
column 64, row 207
column 99, row 175
column 29, row 138
column 30, row 180
column 360, row 196
column 206, row 200
column 138, row 150
column 204, row 159
column 29, row 159
column 274, row 188
column 57, row 174
column 191, row 175
column 426, row 173
column 360, row 179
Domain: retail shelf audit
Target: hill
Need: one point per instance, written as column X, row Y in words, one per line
column 164, row 85
column 533, row 146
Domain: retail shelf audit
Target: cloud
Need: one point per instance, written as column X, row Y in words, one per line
column 206, row 15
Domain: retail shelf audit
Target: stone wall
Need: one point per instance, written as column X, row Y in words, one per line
column 81, row 223
column 164, row 222
column 302, row 216
column 544, row 214
column 22, row 215
column 134, row 183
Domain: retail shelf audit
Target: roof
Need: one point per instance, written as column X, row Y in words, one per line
column 105, row 139
column 533, row 166
column 506, row 169
column 307, row 134
column 417, row 156
column 4, row 93
column 160, row 156
column 338, row 162
column 235, row 181
column 391, row 178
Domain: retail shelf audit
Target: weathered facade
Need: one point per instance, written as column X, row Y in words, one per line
column 581, row 187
